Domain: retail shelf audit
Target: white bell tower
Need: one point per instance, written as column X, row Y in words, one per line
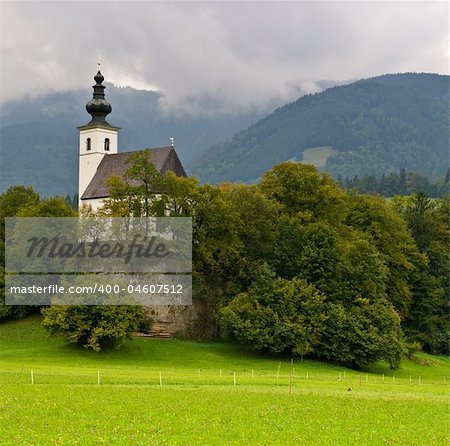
column 98, row 138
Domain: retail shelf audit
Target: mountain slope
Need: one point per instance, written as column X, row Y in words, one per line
column 372, row 126
column 39, row 140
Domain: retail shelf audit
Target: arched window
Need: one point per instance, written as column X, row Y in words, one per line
column 88, row 144
column 107, row 144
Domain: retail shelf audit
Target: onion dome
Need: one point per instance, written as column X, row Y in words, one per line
column 98, row 107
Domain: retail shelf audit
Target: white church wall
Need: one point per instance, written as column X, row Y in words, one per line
column 95, row 203
column 89, row 160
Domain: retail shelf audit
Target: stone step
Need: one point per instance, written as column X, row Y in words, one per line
column 158, row 331
column 154, row 335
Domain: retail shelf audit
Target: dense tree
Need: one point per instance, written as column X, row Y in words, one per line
column 419, row 215
column 121, row 201
column 303, row 192
column 47, row 207
column 179, row 195
column 362, row 334
column 13, row 200
column 428, row 318
column 390, row 236
column 257, row 219
column 23, row 201
column 308, row 249
column 354, row 251
column 276, row 315
column 402, row 183
column 11, row 311
column 93, row 327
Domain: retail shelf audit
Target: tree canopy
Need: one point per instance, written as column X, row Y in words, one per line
column 294, row 264
column 297, row 264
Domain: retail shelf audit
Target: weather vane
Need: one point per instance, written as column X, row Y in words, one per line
column 99, row 61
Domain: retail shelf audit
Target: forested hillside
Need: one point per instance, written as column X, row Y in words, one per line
column 370, row 127
column 39, row 140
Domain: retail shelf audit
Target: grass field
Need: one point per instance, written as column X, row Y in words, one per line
column 317, row 156
column 171, row 392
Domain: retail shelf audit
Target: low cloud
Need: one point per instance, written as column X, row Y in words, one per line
column 215, row 57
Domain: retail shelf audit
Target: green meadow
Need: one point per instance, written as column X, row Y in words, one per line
column 173, row 392
column 317, row 156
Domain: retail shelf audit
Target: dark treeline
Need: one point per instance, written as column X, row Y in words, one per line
column 72, row 201
column 401, row 183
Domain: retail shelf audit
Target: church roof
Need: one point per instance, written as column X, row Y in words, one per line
column 165, row 160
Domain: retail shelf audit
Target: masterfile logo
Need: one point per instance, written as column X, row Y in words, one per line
column 140, row 246
column 90, row 244
column 95, row 261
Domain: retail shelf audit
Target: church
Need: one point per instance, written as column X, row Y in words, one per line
column 99, row 156
column 99, row 159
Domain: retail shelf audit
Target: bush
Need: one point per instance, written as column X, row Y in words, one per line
column 276, row 315
column 361, row 335
column 93, row 327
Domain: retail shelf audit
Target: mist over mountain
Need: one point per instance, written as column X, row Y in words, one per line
column 372, row 126
column 369, row 127
column 39, row 139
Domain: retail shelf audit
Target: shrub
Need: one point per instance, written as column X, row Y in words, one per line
column 93, row 327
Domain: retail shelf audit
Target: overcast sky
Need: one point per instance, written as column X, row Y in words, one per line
column 236, row 55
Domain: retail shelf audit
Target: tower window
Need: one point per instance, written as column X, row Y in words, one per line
column 107, row 144
column 88, row 144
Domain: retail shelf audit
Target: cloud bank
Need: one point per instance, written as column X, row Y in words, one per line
column 215, row 57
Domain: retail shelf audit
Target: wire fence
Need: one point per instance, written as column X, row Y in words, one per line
column 290, row 379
